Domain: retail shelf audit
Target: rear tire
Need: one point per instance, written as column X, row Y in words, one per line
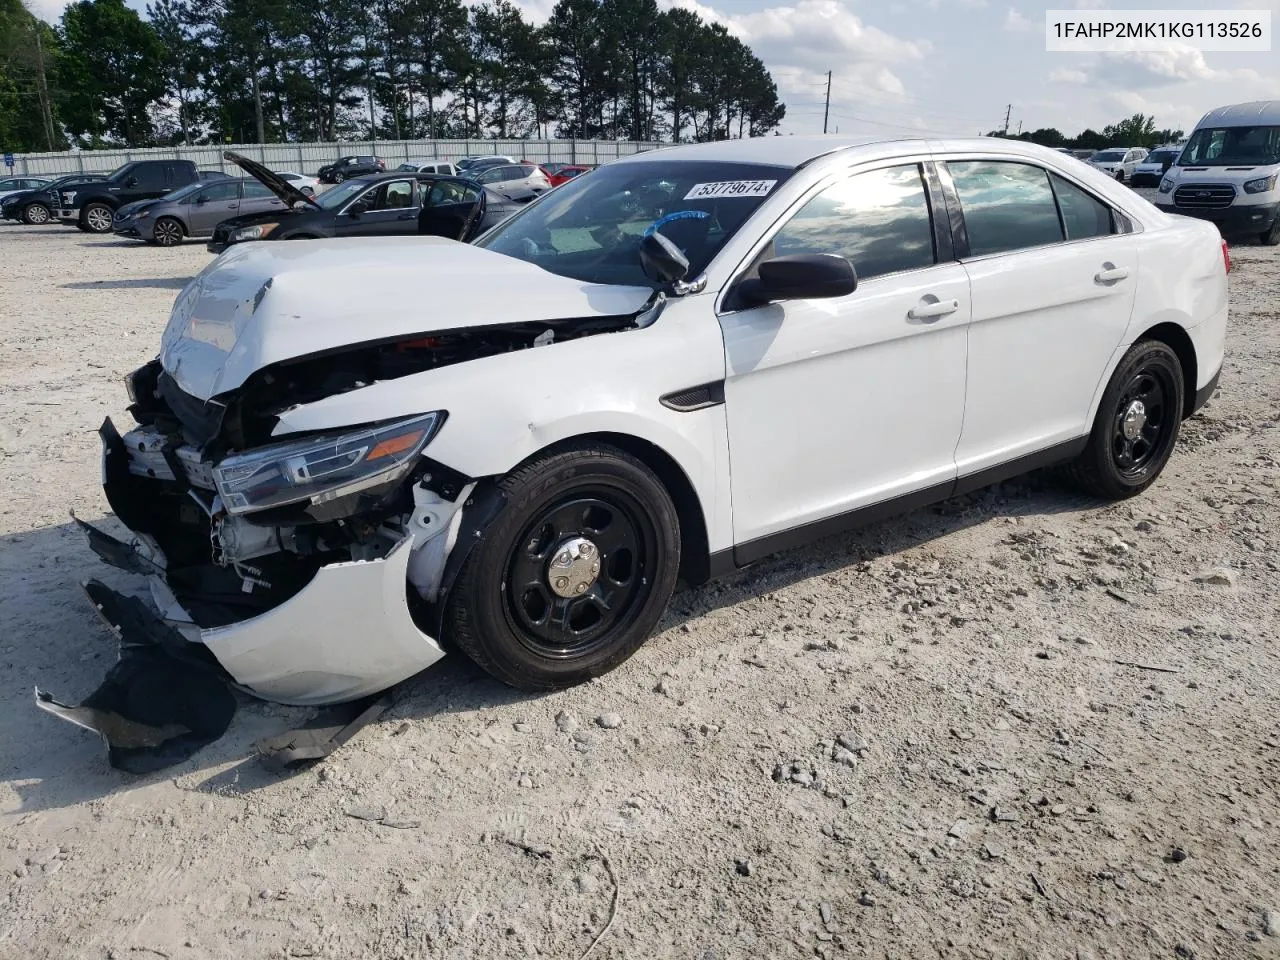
column 1137, row 424
column 573, row 575
column 96, row 218
column 168, row 232
column 36, row 214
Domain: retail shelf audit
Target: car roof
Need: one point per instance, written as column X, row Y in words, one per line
column 1264, row 112
column 772, row 151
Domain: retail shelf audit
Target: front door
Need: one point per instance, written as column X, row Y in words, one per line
column 1053, row 282
column 835, row 405
column 387, row 209
column 257, row 197
column 218, row 201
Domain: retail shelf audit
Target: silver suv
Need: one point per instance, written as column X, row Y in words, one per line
column 515, row 181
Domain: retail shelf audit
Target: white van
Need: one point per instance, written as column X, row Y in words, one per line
column 1228, row 171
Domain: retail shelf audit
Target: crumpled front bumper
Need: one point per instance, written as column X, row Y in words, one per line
column 348, row 633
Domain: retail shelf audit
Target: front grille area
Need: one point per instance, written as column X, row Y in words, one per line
column 1204, row 196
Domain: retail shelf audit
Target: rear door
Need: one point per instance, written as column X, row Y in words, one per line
column 257, row 197
column 217, row 202
column 452, row 209
column 1052, row 271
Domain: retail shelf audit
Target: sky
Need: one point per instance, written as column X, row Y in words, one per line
column 956, row 66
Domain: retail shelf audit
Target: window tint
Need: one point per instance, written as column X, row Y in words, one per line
column 219, row 192
column 256, row 191
column 1083, row 215
column 450, row 191
column 492, row 175
column 1007, row 206
column 879, row 221
column 396, row 195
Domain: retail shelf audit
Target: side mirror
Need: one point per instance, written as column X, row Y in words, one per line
column 131, row 182
column 800, row 276
column 359, row 208
column 662, row 260
column 201, row 199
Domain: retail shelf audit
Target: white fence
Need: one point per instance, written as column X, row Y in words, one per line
column 307, row 157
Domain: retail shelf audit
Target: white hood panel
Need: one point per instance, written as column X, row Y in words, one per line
column 265, row 302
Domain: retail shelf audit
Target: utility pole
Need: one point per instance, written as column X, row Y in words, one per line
column 1019, row 128
column 827, row 109
column 42, row 88
column 1007, row 111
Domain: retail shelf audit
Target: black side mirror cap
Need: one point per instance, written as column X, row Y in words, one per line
column 798, row 276
column 662, row 260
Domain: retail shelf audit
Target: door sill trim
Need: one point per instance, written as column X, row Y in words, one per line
column 724, row 562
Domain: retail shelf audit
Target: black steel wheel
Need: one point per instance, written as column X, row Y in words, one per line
column 1137, row 423
column 97, row 218
column 168, row 232
column 36, row 214
column 573, row 574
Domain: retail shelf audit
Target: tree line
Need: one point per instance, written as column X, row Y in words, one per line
column 267, row 71
column 1136, row 131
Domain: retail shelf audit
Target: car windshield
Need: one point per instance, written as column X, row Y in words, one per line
column 332, row 199
column 1232, row 146
column 1160, row 156
column 1109, row 155
column 590, row 228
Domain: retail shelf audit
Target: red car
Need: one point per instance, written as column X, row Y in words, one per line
column 564, row 174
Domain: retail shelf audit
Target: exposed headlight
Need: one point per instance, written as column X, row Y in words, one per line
column 1165, row 185
column 69, row 198
column 1261, row 185
column 255, row 232
column 143, row 213
column 323, row 468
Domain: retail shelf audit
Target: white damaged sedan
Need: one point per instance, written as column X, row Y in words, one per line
column 349, row 451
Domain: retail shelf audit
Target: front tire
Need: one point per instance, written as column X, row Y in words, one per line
column 1137, row 424
column 97, row 218
column 1271, row 238
column 573, row 575
column 168, row 232
column 36, row 214
column 1120, row 175
column 338, row 178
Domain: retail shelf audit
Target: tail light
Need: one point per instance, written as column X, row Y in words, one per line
column 1226, row 256
column 381, row 165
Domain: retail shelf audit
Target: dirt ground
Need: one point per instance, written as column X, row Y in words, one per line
column 1022, row 724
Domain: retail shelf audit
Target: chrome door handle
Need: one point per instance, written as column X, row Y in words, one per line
column 929, row 312
column 1110, row 274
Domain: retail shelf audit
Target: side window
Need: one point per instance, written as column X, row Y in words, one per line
column 1006, row 206
column 492, row 175
column 451, row 191
column 396, row 195
column 253, row 190
column 1082, row 214
column 879, row 221
column 219, row 192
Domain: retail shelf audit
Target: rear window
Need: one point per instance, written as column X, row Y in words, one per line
column 1007, row 206
column 1109, row 155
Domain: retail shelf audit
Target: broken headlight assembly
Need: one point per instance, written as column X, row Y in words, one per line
column 256, row 232
column 324, row 467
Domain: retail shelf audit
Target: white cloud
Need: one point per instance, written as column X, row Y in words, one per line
column 1068, row 76
column 49, row 11
column 1015, row 22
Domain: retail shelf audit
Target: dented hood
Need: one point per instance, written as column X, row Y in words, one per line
column 266, row 302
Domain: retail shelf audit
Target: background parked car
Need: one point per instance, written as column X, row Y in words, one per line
column 386, row 204
column 308, row 185
column 515, row 181
column 37, row 206
column 92, row 205
column 469, row 166
column 1119, row 162
column 1153, row 167
column 194, row 210
column 348, row 167
column 11, row 185
column 564, row 173
column 425, row 165
column 210, row 175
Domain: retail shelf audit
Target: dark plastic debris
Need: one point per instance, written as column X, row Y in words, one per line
column 160, row 702
column 324, row 733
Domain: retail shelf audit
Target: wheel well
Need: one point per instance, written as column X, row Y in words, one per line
column 695, row 552
column 1180, row 343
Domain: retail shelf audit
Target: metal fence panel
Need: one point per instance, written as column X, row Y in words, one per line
column 307, row 157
